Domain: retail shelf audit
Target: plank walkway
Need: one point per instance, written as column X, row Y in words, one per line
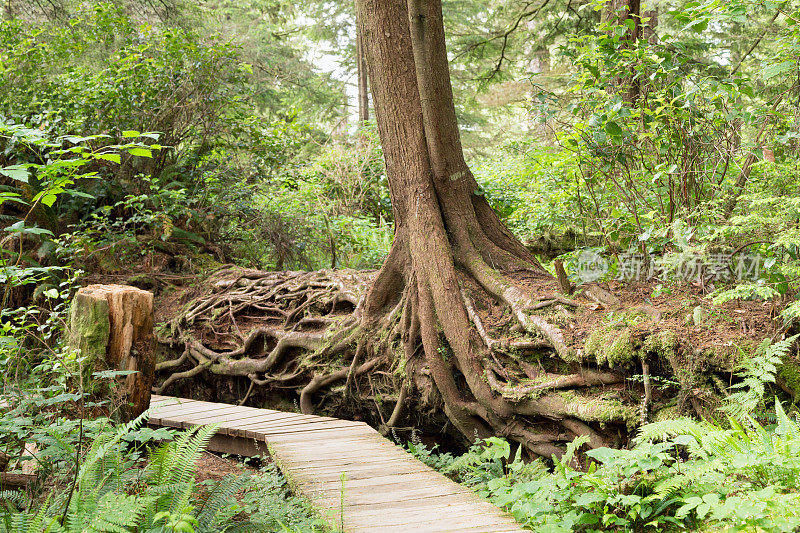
column 385, row 490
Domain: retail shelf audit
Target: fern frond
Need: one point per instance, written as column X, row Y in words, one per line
column 690, row 473
column 217, row 499
column 758, row 370
column 670, row 428
column 188, row 450
column 249, row 527
column 15, row 497
column 117, row 513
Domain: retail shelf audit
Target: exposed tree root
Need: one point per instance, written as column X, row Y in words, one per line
column 321, row 335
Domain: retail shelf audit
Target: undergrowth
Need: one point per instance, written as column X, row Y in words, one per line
column 735, row 473
column 123, row 488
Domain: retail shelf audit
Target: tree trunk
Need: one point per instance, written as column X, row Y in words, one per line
column 620, row 12
column 111, row 326
column 363, row 89
column 441, row 226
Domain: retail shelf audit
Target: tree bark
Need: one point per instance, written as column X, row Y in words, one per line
column 442, row 226
column 619, row 12
column 363, row 86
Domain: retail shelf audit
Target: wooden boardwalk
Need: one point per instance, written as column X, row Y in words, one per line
column 346, row 469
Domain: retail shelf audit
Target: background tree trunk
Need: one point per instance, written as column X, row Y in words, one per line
column 363, row 88
column 628, row 13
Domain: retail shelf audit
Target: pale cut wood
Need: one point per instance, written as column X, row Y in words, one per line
column 386, row 490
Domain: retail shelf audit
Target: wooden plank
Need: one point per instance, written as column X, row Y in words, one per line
column 377, row 482
column 184, row 409
column 346, row 441
column 361, row 472
column 229, row 423
column 242, row 428
column 315, row 427
column 420, row 514
column 322, row 434
column 300, row 460
column 347, row 461
column 438, row 526
column 208, row 417
column 298, row 420
column 176, row 402
column 369, row 500
column 351, row 471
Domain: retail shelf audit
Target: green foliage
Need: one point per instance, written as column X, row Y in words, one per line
column 429, row 455
column 112, row 493
column 680, row 474
column 269, row 503
column 757, row 371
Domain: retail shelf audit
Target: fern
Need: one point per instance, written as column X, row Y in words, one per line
column 171, row 473
column 16, row 498
column 217, row 499
column 757, row 372
column 100, row 501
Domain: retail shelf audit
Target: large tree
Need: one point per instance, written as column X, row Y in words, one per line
column 461, row 319
column 444, row 230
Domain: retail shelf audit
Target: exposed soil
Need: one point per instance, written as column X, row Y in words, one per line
column 211, row 466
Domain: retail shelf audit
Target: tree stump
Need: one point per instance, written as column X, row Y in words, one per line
column 112, row 327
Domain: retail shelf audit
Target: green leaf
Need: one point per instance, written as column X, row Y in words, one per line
column 128, row 134
column 114, row 158
column 49, row 199
column 613, row 129
column 602, row 454
column 19, row 227
column 588, row 498
column 770, row 71
column 142, row 152
column 16, row 172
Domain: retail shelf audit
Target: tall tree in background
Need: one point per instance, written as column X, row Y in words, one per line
column 361, row 66
column 626, row 13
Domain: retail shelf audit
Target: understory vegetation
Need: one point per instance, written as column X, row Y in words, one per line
column 639, row 372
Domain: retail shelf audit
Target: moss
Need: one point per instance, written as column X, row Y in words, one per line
column 789, row 373
column 595, row 343
column 602, row 409
column 89, row 328
column 612, row 347
column 662, row 343
column 622, row 351
column 206, row 262
column 631, row 318
column 142, row 281
column 667, row 413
